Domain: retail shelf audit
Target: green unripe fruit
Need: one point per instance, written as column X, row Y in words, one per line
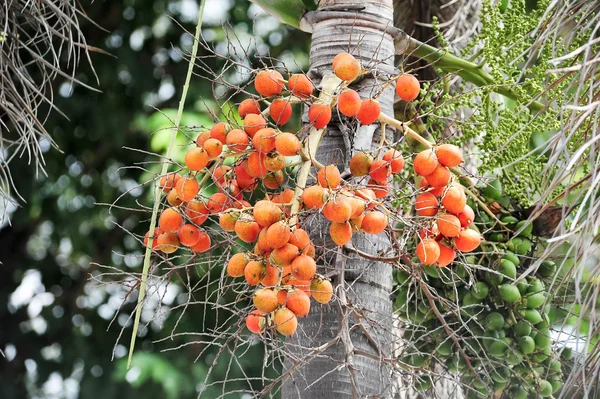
column 470, row 300
column 432, row 271
column 497, row 349
column 556, row 385
column 509, row 293
column 534, row 301
column 527, row 344
column 542, row 339
column 545, row 389
column 532, row 316
column 502, row 333
column 500, row 374
column 555, row 365
column 519, row 245
column 528, row 228
column 423, row 383
column 490, row 336
column 493, row 190
column 423, row 307
column 536, row 285
column 499, row 386
column 494, row 279
column 402, row 277
column 401, row 299
column 513, row 357
column 417, row 360
column 445, row 349
column 523, row 286
column 494, row 321
column 539, row 357
column 509, row 219
column 520, row 393
column 547, row 269
column 522, row 328
column 477, row 383
column 461, row 271
column 567, row 353
column 512, row 257
column 508, row 268
column 480, row 290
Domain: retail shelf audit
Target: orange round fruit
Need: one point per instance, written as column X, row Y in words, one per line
column 188, row 235
column 329, row 176
column 265, row 300
column 168, row 182
column 298, row 302
column 448, row 225
column 253, row 123
column 425, row 162
column 314, row 197
column 347, row 68
column 255, row 321
column 170, row 220
column 237, row 140
column 439, row 177
column 281, row 111
column 466, row 216
column 380, row 171
column 278, row 234
column 213, row 148
column 268, row 83
column 285, row 321
column 255, row 165
column 202, row 137
column 337, row 58
column 217, row 202
column 304, row 267
column 254, row 272
column 449, row 155
column 196, row 158
column 248, row 106
column 360, row 164
column 271, row 278
column 407, row 87
column 454, row 200
column 264, row 140
column 167, row 242
column 337, row 210
column 173, row 198
column 447, row 256
column 285, row 255
column 287, row 144
column 227, row 220
column 321, row 290
column 274, row 162
column 236, row 265
column 300, row 85
column 424, row 184
column 247, row 229
column 395, row 159
column 319, row 115
column 266, row 213
column 299, row 238
column 467, row 240
column 203, row 243
column 157, row 232
column 426, row 204
column 197, row 211
column 219, row 131
column 348, row 103
column 369, row 111
column 340, row 233
column 374, row 222
column 428, row 251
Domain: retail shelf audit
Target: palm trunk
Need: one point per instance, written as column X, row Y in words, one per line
column 355, row 330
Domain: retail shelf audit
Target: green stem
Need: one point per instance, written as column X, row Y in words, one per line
column 157, row 190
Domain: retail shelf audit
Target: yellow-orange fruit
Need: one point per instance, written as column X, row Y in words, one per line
column 337, row 58
column 274, row 162
column 467, row 240
column 374, row 222
column 266, row 213
column 304, row 267
column 358, row 205
column 268, row 83
column 157, row 232
column 430, row 231
column 466, row 216
column 407, row 87
column 237, row 140
column 314, row 197
column 188, row 235
column 425, row 162
column 217, row 202
column 244, row 180
column 356, row 222
column 213, row 148
column 173, row 198
column 168, row 182
column 227, row 220
column 170, row 220
column 219, row 131
column 264, row 140
column 281, row 111
column 247, row 229
column 254, row 272
column 337, row 210
column 439, row 177
column 197, row 211
column 255, row 321
column 380, row 189
column 265, row 300
column 448, row 225
column 321, row 290
column 253, row 123
column 449, row 155
column 454, row 200
column 360, row 164
column 395, row 159
column 236, row 265
column 424, row 184
column 347, row 68
column 319, row 115
column 203, row 243
column 287, row 144
column 202, row 137
column 167, row 242
column 255, row 166
column 271, row 276
column 380, row 171
column 282, row 296
column 368, row 195
column 348, row 103
column 369, row 111
column 273, row 180
column 428, row 251
column 285, row 321
column 248, row 106
column 219, row 175
column 426, row 204
column 278, row 234
column 329, row 176
column 447, row 256
column 299, row 238
column 309, row 250
column 340, row 233
column 285, row 255
column 300, row 85
column 196, row 158
column 298, row 302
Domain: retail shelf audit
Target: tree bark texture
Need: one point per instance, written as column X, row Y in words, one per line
column 359, row 319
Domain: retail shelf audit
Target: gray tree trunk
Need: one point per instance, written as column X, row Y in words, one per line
column 359, row 319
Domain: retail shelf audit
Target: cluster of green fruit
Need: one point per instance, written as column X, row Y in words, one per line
column 502, row 323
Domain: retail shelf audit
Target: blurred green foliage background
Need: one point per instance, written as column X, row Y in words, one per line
column 54, row 319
